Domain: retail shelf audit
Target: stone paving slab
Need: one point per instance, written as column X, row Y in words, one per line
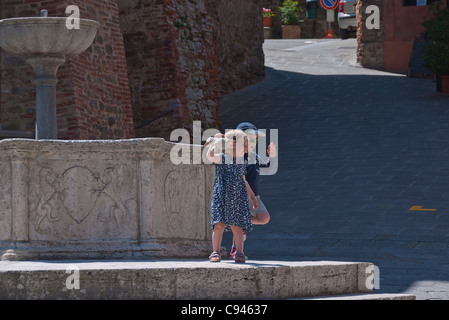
column 180, row 279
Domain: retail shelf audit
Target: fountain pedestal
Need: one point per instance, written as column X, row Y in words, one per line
column 46, row 42
column 45, row 69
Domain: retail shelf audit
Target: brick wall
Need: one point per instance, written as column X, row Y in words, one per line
column 197, row 60
column 151, row 63
column 100, row 78
column 149, row 56
column 238, row 33
column 171, row 58
column 188, row 54
column 93, row 100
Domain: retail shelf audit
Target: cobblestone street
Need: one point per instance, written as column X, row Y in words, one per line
column 358, row 148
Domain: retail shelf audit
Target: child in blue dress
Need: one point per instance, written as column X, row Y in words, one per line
column 229, row 206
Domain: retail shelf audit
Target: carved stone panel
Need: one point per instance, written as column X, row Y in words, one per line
column 174, row 204
column 83, row 200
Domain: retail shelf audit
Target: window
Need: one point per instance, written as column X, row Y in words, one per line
column 417, row 2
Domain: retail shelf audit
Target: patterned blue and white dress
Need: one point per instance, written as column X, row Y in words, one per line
column 229, row 198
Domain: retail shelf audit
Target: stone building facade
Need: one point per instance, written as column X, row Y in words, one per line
column 155, row 65
column 390, row 47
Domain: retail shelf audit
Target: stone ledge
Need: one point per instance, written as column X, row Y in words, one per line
column 120, row 249
column 181, row 279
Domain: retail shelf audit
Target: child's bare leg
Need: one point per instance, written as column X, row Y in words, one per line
column 238, row 237
column 217, row 236
column 261, row 218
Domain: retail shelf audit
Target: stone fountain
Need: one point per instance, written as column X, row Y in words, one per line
column 91, row 199
column 46, row 42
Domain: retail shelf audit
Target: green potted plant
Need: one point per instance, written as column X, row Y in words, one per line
column 436, row 48
column 291, row 19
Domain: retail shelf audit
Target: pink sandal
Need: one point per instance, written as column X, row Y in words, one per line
column 240, row 257
column 215, row 257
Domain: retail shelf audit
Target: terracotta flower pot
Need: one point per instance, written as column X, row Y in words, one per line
column 291, row 32
column 445, row 84
column 268, row 22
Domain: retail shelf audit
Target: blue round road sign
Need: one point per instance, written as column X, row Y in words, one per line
column 329, row 4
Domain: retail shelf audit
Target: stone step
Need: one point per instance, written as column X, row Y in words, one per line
column 367, row 296
column 180, row 279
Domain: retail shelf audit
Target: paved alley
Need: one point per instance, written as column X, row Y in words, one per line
column 358, row 148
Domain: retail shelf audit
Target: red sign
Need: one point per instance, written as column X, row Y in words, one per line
column 329, row 4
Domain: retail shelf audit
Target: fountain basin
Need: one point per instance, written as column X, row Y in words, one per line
column 31, row 36
column 101, row 199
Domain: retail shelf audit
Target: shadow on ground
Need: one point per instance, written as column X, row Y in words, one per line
column 356, row 152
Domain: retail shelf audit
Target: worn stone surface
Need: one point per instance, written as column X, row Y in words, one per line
column 181, row 279
column 101, row 199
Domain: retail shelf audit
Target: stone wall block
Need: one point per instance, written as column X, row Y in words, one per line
column 100, row 199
